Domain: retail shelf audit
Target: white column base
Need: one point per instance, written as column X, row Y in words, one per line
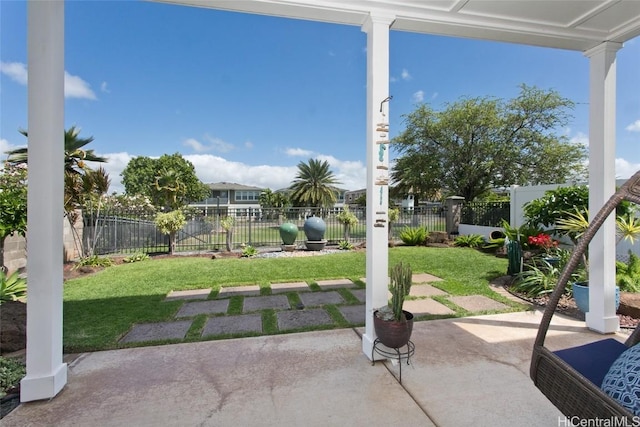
column 603, row 325
column 43, row 387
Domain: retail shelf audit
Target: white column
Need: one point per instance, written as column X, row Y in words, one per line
column 377, row 29
column 46, row 374
column 602, row 147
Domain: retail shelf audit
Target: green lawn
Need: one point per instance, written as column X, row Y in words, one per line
column 101, row 308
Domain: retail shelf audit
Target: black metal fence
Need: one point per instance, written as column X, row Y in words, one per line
column 489, row 214
column 130, row 231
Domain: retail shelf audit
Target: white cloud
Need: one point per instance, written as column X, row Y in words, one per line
column 580, row 139
column 16, row 71
column 211, row 168
column 625, row 169
column 418, row 96
column 5, row 146
column 104, row 88
column 248, row 145
column 74, row 86
column 634, row 127
column 351, row 175
column 298, row 152
column 434, row 95
column 405, row 75
column 196, row 145
column 211, row 144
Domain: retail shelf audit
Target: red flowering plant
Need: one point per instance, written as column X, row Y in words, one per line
column 545, row 243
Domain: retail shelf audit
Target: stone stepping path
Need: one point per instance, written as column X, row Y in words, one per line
column 158, row 331
column 188, row 295
column 297, row 319
column 307, row 314
column 311, row 299
column 191, row 309
column 276, row 302
column 477, row 303
column 335, row 284
column 277, row 288
column 227, row 292
column 222, row 325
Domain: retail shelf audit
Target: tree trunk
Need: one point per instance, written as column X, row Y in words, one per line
column 172, row 242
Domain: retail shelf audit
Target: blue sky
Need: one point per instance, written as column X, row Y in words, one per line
column 247, row 97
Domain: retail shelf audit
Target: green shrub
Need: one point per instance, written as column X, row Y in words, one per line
column 138, row 256
column 94, row 261
column 470, row 240
column 11, row 372
column 628, row 274
column 12, row 287
column 537, row 280
column 249, row 251
column 343, row 245
column 414, row 236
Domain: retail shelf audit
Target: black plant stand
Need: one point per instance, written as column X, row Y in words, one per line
column 395, row 353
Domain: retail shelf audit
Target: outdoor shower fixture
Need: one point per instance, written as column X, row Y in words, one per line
column 382, row 180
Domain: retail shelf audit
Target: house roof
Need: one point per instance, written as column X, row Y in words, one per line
column 232, row 186
column 565, row 24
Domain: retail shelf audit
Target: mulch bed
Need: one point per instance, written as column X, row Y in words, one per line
column 567, row 306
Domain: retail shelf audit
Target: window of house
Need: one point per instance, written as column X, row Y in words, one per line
column 247, row 196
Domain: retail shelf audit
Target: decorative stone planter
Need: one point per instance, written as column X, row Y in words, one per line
column 581, row 296
column 314, row 228
column 288, row 233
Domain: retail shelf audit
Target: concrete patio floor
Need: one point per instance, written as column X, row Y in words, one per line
column 467, row 371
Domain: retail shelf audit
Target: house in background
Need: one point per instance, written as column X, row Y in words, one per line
column 231, row 197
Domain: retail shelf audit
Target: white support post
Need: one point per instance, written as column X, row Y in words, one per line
column 46, row 374
column 377, row 262
column 602, row 147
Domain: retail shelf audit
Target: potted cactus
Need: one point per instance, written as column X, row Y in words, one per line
column 392, row 324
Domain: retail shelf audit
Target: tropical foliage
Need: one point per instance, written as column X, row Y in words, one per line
column 628, row 274
column 469, row 240
column 348, row 219
column 170, row 223
column 414, row 236
column 509, row 142
column 12, row 287
column 314, row 184
column 13, row 204
column 170, row 181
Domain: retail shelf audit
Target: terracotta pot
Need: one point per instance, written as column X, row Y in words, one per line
column 393, row 334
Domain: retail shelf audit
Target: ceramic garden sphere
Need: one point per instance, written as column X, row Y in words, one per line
column 314, row 228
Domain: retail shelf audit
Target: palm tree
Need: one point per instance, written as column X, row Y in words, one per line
column 314, row 184
column 74, row 155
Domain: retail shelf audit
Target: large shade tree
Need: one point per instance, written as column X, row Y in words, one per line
column 169, row 181
column 476, row 144
column 314, row 185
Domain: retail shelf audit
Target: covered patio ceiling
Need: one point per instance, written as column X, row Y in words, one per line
column 565, row 24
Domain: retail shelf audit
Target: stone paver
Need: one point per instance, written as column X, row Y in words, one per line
column 353, row 313
column 203, row 307
column 277, row 288
column 424, row 278
column 188, row 295
column 425, row 291
column 476, row 303
column 426, row 306
column 278, row 302
column 311, row 299
column 157, row 331
column 239, row 290
column 361, row 294
column 336, row 283
column 295, row 319
column 232, row 324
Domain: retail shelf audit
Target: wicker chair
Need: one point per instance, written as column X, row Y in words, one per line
column 569, row 389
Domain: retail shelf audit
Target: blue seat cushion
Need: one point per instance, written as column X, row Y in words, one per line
column 593, row 360
column 622, row 382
